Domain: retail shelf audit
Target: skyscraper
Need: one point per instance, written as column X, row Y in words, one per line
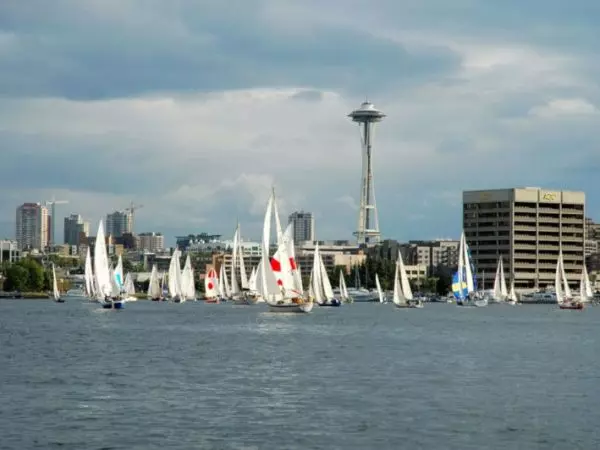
column 303, row 226
column 75, row 227
column 118, row 223
column 32, row 226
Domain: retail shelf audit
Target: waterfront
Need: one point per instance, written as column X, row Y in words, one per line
column 162, row 375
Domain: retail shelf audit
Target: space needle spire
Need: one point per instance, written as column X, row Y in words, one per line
column 368, row 223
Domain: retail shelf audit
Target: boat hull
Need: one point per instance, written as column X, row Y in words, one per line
column 571, row 306
column 333, row 303
column 59, row 300
column 211, row 300
column 291, row 307
column 119, row 304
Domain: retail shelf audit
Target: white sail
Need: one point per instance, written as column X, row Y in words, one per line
column 235, row 288
column 316, row 284
column 128, row 286
column 497, row 283
column 55, row 291
column 558, row 283
column 211, row 284
column 154, row 288
column 101, row 270
column 252, row 280
column 327, row 290
column 115, row 289
column 503, row 290
column 270, row 289
column 406, row 290
column 89, row 275
column 585, row 288
column 512, row 296
column 174, row 277
column 398, row 296
column 241, row 265
column 187, row 280
column 566, row 288
column 379, row 291
column 468, row 271
column 221, row 283
column 343, row 288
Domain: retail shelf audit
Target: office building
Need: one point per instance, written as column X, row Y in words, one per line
column 152, row 242
column 118, row 223
column 75, row 228
column 32, row 226
column 303, row 226
column 527, row 227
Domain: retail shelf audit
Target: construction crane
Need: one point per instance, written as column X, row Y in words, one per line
column 132, row 209
column 52, row 203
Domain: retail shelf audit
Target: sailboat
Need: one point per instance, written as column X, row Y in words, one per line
column 129, row 289
column 107, row 291
column 512, row 296
column 585, row 287
column 286, row 296
column 403, row 296
column 187, row 280
column 463, row 282
column 211, row 293
column 344, row 297
column 154, row 287
column 320, row 284
column 379, row 291
column 564, row 298
column 55, row 291
column 89, row 277
column 176, row 293
column 500, row 292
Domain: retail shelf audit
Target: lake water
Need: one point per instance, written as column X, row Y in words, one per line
column 363, row 376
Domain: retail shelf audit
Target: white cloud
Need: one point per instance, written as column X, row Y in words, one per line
column 564, row 107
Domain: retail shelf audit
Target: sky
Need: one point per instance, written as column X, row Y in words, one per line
column 194, row 109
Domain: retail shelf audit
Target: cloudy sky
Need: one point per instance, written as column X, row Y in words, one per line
column 195, row 108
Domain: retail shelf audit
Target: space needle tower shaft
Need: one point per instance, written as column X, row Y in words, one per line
column 368, row 222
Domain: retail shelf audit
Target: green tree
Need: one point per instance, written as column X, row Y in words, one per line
column 17, row 278
column 35, row 274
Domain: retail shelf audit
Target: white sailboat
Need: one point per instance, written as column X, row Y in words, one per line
column 154, row 286
column 211, row 287
column 55, row 291
column 500, row 291
column 585, row 287
column 129, row 289
column 398, row 296
column 174, row 279
column 564, row 297
column 321, row 286
column 187, row 280
column 464, row 288
column 106, row 294
column 344, row 297
column 221, row 292
column 278, row 299
column 89, row 276
column 512, row 296
column 118, row 274
column 379, row 290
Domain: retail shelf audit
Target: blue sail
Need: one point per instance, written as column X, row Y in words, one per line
column 459, row 289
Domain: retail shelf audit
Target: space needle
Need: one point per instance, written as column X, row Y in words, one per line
column 368, row 223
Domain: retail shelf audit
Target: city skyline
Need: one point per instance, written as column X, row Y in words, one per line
column 474, row 90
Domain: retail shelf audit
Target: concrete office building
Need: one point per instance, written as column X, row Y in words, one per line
column 303, row 226
column 527, row 227
column 152, row 242
column 74, row 229
column 32, row 226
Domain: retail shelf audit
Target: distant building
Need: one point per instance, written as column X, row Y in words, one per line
column 528, row 227
column 303, row 226
column 194, row 241
column 32, row 226
column 9, row 251
column 429, row 254
column 152, row 242
column 74, row 228
column 118, row 223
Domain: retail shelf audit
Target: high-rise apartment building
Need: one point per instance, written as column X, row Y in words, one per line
column 118, row 223
column 75, row 228
column 303, row 226
column 152, row 242
column 527, row 227
column 32, row 226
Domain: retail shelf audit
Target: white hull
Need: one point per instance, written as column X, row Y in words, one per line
column 291, row 308
column 130, row 299
column 481, row 303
